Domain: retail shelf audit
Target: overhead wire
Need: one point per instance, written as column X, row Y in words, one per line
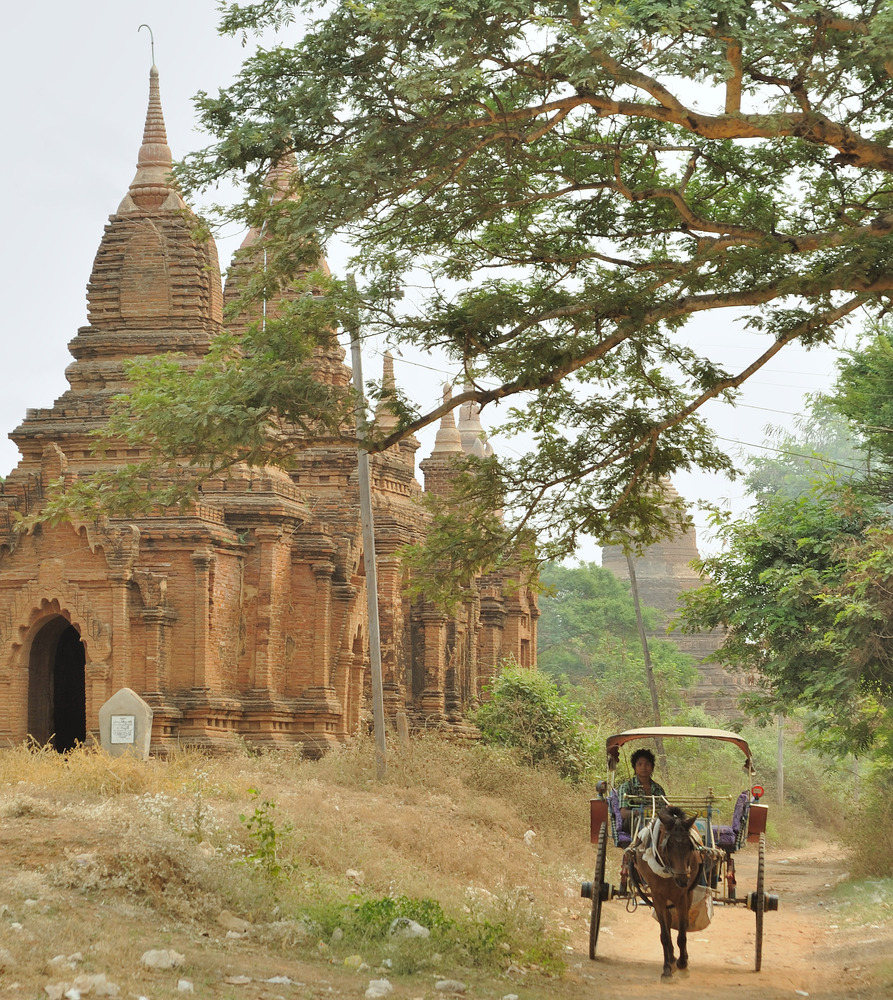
column 791, row 454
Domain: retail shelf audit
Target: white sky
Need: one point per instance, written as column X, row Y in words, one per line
column 75, row 80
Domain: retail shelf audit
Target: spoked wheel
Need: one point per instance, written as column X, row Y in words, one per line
column 760, row 902
column 597, row 881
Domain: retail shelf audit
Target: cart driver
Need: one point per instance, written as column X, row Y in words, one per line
column 640, row 784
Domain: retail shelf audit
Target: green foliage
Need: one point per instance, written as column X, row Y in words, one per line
column 588, row 638
column 802, row 610
column 373, row 917
column 264, row 836
column 863, row 395
column 525, row 710
column 823, row 448
column 584, row 612
column 493, row 930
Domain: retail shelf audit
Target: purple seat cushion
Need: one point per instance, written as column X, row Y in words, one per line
column 724, row 836
column 621, row 839
column 730, row 836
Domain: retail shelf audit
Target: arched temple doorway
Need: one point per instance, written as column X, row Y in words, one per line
column 57, row 704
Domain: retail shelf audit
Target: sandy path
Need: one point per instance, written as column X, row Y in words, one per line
column 804, row 953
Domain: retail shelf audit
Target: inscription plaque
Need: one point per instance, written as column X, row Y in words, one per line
column 123, row 729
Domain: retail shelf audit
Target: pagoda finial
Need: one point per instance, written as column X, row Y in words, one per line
column 151, row 39
column 280, row 177
column 152, row 188
column 474, row 439
column 385, row 418
column 387, row 372
column 447, row 440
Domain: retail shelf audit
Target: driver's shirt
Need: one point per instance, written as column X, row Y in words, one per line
column 634, row 787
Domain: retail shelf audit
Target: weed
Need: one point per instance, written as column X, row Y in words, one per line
column 496, row 930
column 869, row 835
column 373, row 917
column 869, row 901
column 264, row 837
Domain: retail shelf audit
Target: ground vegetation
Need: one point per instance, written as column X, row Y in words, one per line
column 103, row 859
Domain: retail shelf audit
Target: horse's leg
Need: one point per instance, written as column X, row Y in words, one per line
column 666, row 939
column 682, row 937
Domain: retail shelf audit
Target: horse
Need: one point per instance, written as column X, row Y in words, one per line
column 672, row 851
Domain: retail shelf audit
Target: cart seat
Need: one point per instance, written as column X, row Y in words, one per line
column 621, row 839
column 731, row 837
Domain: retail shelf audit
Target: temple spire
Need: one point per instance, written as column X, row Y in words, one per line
column 474, row 438
column 385, row 418
column 152, row 187
column 281, row 177
column 447, row 440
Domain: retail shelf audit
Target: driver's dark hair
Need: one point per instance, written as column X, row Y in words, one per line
column 643, row 752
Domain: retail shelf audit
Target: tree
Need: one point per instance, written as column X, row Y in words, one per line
column 863, row 396
column 823, row 448
column 546, row 193
column 589, row 639
column 803, row 585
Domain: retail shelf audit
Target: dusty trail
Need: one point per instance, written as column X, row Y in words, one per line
column 805, row 952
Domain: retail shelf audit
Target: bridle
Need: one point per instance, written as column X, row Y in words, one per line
column 680, row 877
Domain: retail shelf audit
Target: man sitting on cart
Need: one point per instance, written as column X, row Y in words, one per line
column 640, row 784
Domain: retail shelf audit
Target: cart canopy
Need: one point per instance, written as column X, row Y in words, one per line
column 614, row 743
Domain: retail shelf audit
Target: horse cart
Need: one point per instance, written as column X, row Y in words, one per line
column 694, row 848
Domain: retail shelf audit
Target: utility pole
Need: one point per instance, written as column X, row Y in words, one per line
column 646, row 655
column 368, row 550
column 780, row 763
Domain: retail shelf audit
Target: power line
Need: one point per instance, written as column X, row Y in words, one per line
column 791, row 454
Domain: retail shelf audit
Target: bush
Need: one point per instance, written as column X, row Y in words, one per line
column 869, row 834
column 525, row 710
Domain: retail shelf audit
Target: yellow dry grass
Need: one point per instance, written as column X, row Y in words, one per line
column 448, row 815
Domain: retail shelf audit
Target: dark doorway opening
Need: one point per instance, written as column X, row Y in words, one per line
column 57, row 703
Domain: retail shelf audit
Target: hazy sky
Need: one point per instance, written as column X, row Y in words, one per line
column 75, row 80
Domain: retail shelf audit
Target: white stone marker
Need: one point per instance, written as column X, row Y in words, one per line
column 125, row 725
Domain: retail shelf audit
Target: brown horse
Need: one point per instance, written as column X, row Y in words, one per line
column 678, row 861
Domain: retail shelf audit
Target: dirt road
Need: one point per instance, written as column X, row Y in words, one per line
column 811, row 947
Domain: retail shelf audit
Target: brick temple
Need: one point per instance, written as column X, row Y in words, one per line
column 664, row 571
column 247, row 613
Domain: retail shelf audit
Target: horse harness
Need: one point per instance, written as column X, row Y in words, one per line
column 639, row 848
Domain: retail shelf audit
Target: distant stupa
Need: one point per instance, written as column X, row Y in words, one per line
column 664, row 571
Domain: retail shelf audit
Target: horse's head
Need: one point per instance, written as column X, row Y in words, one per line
column 676, row 847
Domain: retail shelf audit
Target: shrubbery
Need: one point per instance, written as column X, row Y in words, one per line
column 526, row 711
column 869, row 834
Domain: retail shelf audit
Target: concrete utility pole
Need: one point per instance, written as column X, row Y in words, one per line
column 780, row 763
column 368, row 552
column 646, row 656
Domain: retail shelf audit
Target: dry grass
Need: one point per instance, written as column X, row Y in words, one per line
column 170, row 837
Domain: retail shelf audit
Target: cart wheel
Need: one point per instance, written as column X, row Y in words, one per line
column 760, row 902
column 597, row 882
